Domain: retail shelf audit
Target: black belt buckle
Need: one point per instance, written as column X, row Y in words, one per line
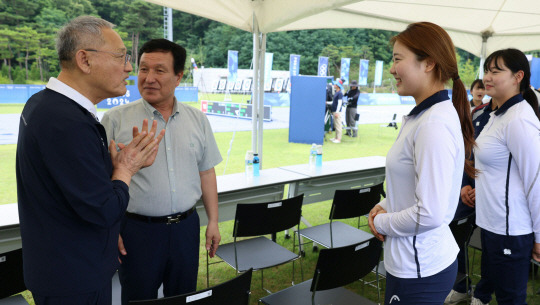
column 175, row 219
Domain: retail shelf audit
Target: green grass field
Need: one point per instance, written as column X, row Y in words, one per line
column 372, row 141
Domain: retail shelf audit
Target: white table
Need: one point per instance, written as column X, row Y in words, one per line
column 239, row 188
column 321, row 182
column 317, row 184
column 10, row 235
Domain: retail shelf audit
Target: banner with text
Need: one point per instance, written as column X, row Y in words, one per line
column 363, row 74
column 294, row 65
column 378, row 72
column 233, row 66
column 323, row 66
column 268, row 60
column 345, row 67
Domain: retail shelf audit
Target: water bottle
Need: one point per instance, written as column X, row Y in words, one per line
column 249, row 163
column 256, row 165
column 318, row 162
column 312, row 155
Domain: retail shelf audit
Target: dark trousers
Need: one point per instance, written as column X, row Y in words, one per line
column 428, row 290
column 100, row 297
column 159, row 253
column 350, row 115
column 505, row 267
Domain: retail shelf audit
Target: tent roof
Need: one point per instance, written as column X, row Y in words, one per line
column 511, row 23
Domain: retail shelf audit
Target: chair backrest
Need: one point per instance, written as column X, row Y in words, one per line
column 11, row 273
column 337, row 267
column 475, row 242
column 254, row 219
column 462, row 229
column 233, row 292
column 354, row 203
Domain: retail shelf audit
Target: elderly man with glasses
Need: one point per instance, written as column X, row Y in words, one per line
column 72, row 192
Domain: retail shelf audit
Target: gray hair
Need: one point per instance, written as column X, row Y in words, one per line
column 81, row 32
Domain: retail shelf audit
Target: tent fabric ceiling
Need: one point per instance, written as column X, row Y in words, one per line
column 512, row 23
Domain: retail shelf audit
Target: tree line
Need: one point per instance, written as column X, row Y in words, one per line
column 28, row 28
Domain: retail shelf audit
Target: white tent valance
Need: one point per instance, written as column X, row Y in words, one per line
column 510, row 23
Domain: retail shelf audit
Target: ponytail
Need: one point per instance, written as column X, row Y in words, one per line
column 461, row 103
column 531, row 98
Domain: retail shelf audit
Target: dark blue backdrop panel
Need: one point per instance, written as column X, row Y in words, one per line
column 306, row 120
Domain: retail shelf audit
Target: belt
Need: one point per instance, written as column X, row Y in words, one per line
column 162, row 219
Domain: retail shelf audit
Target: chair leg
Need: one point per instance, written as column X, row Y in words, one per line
column 300, row 257
column 378, row 286
column 207, row 271
column 262, row 282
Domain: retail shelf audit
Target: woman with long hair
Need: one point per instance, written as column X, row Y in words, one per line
column 424, row 168
column 508, row 183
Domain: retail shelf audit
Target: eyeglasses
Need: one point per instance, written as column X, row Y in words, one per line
column 126, row 59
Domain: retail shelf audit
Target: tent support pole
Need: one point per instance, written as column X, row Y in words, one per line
column 485, row 36
column 261, row 97
column 254, row 89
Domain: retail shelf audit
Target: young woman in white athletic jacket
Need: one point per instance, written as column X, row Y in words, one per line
column 424, row 169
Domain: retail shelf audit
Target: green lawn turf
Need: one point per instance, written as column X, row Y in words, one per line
column 373, row 140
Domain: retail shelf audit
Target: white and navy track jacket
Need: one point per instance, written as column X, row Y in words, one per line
column 508, row 157
column 424, row 168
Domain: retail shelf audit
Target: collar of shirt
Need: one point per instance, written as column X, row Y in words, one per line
column 60, row 87
column 489, row 107
column 430, row 101
column 153, row 111
column 509, row 103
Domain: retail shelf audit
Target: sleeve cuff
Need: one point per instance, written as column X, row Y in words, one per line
column 119, row 184
column 378, row 222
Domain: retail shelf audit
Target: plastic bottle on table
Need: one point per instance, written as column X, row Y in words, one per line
column 249, row 163
column 312, row 155
column 318, row 162
column 256, row 165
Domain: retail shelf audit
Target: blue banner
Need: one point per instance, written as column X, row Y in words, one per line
column 233, row 66
column 294, row 65
column 182, row 94
column 535, row 72
column 378, row 72
column 18, row 94
column 345, row 67
column 323, row 66
column 363, row 72
column 132, row 94
column 268, row 60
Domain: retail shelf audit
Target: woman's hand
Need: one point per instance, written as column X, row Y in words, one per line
column 371, row 221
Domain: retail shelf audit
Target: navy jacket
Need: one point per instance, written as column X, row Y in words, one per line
column 337, row 96
column 480, row 116
column 69, row 209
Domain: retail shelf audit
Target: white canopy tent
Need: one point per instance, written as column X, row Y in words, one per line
column 479, row 26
